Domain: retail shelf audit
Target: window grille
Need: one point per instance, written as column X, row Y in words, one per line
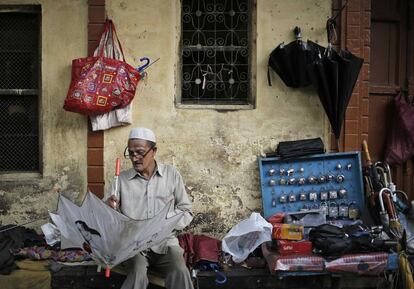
column 19, row 88
column 215, row 52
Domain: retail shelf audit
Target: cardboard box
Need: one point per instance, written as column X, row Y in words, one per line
column 286, row 247
column 287, row 232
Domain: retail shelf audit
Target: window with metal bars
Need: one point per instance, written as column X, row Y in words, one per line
column 215, row 52
column 19, row 88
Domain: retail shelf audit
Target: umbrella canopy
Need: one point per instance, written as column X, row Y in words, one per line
column 335, row 75
column 290, row 61
column 110, row 236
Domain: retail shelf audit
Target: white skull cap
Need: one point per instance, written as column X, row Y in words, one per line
column 142, row 133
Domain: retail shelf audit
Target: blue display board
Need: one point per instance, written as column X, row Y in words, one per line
column 332, row 182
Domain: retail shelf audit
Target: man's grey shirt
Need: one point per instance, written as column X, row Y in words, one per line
column 142, row 199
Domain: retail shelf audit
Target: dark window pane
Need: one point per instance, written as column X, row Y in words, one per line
column 19, row 50
column 19, row 133
column 215, row 51
column 19, row 86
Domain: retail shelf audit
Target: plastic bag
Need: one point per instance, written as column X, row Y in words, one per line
column 246, row 236
column 114, row 118
column 51, row 232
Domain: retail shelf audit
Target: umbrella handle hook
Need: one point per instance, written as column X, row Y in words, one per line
column 220, row 277
column 381, row 200
column 298, row 33
column 145, row 65
column 330, row 29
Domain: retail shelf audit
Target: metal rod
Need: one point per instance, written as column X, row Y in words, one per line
column 22, row 224
column 151, row 63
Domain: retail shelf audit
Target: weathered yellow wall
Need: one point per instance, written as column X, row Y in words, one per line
column 25, row 197
column 216, row 151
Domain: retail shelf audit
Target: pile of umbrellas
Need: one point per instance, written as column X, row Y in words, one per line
column 384, row 200
column 334, row 74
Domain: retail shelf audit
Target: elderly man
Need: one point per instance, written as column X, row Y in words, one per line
column 143, row 191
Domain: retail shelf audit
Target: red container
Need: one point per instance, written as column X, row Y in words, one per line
column 287, row 232
column 303, row 247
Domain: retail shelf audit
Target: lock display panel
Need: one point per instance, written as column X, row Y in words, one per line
column 330, row 182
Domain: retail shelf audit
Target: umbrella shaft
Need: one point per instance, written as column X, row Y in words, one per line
column 115, row 192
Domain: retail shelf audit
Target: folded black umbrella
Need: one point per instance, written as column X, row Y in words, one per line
column 298, row 148
column 290, row 61
column 335, row 75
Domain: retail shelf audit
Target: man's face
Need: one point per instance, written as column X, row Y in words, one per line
column 141, row 154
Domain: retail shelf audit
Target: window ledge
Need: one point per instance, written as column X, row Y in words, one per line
column 219, row 107
column 17, row 176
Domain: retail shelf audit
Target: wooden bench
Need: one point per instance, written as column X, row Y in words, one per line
column 241, row 278
column 87, row 277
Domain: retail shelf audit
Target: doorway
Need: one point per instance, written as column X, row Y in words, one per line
column 391, row 66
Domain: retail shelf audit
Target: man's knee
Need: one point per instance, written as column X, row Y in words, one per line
column 176, row 258
column 140, row 265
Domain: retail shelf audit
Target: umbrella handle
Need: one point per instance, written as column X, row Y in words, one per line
column 366, row 152
column 330, row 29
column 220, row 277
column 107, row 272
column 117, row 169
column 143, row 66
column 297, row 32
column 117, row 166
column 381, row 200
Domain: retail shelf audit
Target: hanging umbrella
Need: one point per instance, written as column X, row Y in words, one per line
column 108, row 235
column 290, row 61
column 335, row 75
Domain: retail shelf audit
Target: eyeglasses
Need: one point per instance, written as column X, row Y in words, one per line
column 129, row 154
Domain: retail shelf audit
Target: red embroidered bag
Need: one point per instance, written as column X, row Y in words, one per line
column 100, row 84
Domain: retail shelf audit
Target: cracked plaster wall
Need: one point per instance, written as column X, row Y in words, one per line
column 28, row 196
column 216, row 151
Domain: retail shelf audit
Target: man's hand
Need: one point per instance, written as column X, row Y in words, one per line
column 113, row 202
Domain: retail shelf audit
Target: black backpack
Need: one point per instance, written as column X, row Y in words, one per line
column 330, row 240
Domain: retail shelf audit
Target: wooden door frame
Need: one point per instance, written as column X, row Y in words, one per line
column 354, row 34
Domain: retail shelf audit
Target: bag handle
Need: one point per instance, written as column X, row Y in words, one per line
column 109, row 44
column 117, row 46
column 99, row 51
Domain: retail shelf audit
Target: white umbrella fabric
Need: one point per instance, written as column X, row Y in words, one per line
column 111, row 236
